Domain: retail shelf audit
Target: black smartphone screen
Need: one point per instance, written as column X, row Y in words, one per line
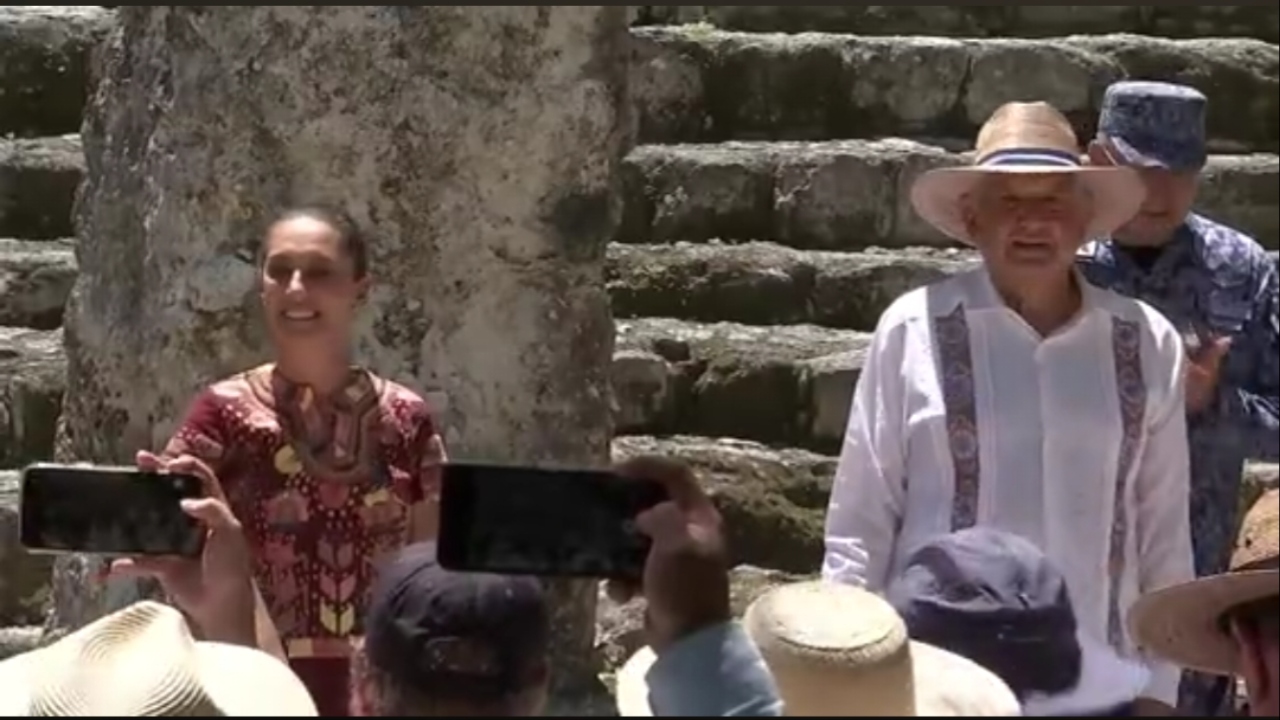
column 555, row 523
column 109, row 511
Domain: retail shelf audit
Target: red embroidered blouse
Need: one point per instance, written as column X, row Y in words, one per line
column 324, row 488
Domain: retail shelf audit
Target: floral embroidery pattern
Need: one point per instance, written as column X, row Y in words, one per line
column 324, row 487
column 951, row 333
column 1131, row 389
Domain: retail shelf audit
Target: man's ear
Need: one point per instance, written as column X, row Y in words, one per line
column 1097, row 155
column 1250, row 664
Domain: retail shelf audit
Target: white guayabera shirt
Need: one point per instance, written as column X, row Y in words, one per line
column 964, row 415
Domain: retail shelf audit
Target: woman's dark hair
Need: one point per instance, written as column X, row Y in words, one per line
column 351, row 238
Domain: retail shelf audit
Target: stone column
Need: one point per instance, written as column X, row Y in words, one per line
column 479, row 144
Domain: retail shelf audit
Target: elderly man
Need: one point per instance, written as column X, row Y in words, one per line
column 1019, row 396
column 1227, row 624
column 1217, row 286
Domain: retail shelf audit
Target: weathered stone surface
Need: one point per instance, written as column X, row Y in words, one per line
column 32, row 370
column 786, row 385
column 620, row 627
column 696, row 84
column 17, row 640
column 760, row 283
column 24, row 577
column 773, row 501
column 38, row 180
column 44, row 51
column 1032, row 21
column 35, row 280
column 479, row 142
column 854, row 194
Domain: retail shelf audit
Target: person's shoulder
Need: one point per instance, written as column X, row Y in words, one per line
column 402, row 402
column 927, row 301
column 1226, row 247
column 1155, row 328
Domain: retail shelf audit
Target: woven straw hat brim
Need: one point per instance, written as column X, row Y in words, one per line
column 237, row 681
column 1181, row 623
column 1117, row 192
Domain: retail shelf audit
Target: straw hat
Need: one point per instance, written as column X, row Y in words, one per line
column 837, row 650
column 1183, row 623
column 142, row 661
column 1029, row 138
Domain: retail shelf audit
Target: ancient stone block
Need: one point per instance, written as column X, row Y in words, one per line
column 35, row 281
column 696, row 84
column 477, row 143
column 1187, row 21
column 32, row 370
column 854, row 194
column 760, row 283
column 740, row 381
column 774, row 501
column 24, row 577
column 38, row 180
column 44, row 51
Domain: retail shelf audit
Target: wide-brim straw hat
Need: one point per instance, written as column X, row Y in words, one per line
column 1027, row 138
column 142, row 661
column 1184, row 623
column 837, row 650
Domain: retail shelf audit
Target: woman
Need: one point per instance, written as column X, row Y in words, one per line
column 328, row 466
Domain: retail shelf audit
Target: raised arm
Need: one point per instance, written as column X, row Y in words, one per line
column 1251, row 403
column 202, row 435
column 868, row 494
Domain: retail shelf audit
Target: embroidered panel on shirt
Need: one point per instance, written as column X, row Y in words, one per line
column 951, row 332
column 1131, row 390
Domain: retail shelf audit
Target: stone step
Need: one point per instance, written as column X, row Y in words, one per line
column 695, row 84
column 782, row 385
column 773, row 500
column 24, row 577
column 38, row 182
column 1035, row 21
column 19, row 639
column 854, row 194
column 32, row 379
column 760, row 283
column 44, row 73
column 35, row 281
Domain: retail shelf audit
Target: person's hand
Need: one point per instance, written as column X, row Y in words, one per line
column 216, row 589
column 686, row 576
column 1203, row 369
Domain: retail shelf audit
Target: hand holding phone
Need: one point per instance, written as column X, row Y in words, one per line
column 552, row 523
column 108, row 511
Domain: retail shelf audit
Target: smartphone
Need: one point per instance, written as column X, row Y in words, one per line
column 107, row 511
column 554, row 523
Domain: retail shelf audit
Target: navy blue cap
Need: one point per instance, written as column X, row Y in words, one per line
column 464, row 635
column 995, row 599
column 1155, row 125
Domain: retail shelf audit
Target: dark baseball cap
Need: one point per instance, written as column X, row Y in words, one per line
column 996, row 599
column 458, row 635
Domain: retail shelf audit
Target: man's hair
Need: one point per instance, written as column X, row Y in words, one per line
column 376, row 694
column 438, row 642
column 1260, row 619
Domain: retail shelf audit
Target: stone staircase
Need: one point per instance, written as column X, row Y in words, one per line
column 765, row 227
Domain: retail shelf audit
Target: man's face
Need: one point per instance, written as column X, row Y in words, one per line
column 1170, row 196
column 1259, row 663
column 1029, row 225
